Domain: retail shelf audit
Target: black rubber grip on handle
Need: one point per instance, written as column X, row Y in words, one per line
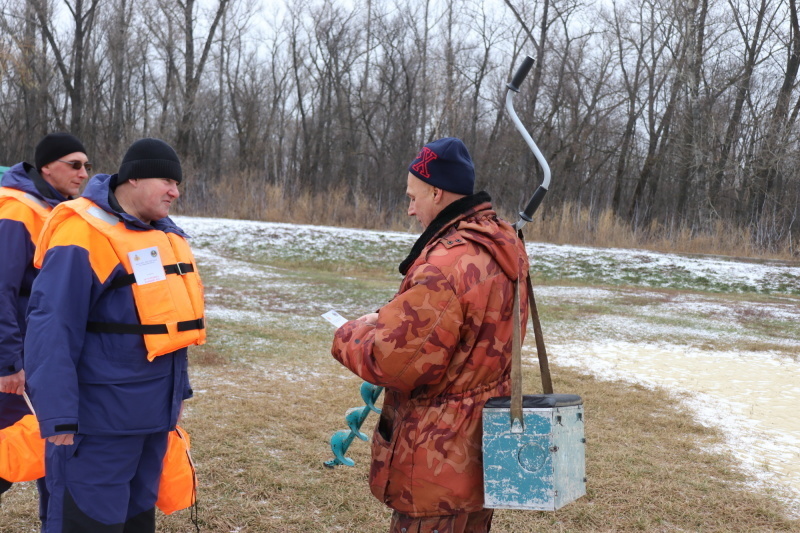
column 533, row 204
column 522, row 71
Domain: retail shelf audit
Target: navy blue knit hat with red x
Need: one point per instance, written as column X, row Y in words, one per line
column 446, row 164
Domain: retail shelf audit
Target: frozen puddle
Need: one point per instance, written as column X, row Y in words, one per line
column 754, row 397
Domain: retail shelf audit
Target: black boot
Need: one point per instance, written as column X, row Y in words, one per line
column 4, row 486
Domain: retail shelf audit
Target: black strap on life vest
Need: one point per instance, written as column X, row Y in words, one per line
column 142, row 329
column 129, row 279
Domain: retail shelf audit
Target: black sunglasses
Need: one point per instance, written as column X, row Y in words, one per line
column 77, row 165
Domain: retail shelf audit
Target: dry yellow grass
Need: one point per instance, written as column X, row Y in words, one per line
column 245, row 197
column 261, row 419
column 572, row 224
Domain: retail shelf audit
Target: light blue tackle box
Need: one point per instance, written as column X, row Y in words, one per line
column 541, row 468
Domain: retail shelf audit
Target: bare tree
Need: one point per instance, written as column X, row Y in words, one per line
column 774, row 145
column 631, row 38
column 663, row 112
column 82, row 15
column 193, row 66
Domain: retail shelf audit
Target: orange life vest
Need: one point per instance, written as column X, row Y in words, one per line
column 178, row 487
column 170, row 310
column 22, row 451
column 40, row 208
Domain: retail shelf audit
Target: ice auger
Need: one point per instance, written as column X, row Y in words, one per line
column 340, row 441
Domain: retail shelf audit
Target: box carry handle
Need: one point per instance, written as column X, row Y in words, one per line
column 541, row 351
column 517, row 424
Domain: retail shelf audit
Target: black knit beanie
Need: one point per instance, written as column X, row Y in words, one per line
column 150, row 158
column 54, row 146
column 446, row 164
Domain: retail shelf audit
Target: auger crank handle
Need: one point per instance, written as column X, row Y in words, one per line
column 522, row 72
column 526, row 215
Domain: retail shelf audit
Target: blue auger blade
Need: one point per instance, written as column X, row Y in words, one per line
column 340, row 442
column 370, row 393
column 355, row 418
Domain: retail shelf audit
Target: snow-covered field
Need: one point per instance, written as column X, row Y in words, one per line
column 721, row 334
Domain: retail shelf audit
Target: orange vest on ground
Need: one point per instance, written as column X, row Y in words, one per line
column 22, row 459
column 171, row 310
column 40, row 209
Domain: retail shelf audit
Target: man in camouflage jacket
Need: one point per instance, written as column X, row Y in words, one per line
column 441, row 348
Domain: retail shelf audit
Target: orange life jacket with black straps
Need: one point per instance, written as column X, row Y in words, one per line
column 22, row 451
column 170, row 310
column 40, row 208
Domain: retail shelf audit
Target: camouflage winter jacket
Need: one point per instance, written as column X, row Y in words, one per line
column 442, row 348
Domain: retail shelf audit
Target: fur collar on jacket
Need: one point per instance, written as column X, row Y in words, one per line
column 443, row 220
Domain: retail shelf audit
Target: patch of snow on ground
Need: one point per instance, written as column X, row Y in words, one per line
column 573, row 294
column 232, row 267
column 751, row 397
column 246, row 234
column 293, row 376
column 614, row 264
column 787, row 311
column 234, row 315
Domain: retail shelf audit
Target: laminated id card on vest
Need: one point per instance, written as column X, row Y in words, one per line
column 146, row 264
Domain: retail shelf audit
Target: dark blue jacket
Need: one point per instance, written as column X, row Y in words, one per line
column 17, row 273
column 89, row 382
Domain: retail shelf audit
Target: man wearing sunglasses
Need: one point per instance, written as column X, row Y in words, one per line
column 27, row 195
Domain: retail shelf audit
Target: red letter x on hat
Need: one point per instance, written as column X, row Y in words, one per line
column 426, row 155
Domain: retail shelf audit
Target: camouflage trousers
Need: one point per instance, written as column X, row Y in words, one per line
column 477, row 522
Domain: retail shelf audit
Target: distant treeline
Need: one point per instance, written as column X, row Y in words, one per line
column 679, row 115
